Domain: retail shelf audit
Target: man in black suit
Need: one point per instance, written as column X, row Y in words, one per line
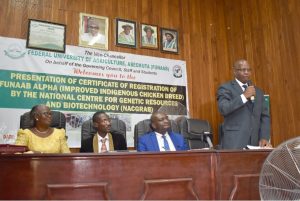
column 104, row 140
column 246, row 117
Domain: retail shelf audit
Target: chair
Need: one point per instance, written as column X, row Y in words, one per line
column 198, row 133
column 88, row 130
column 143, row 127
column 58, row 120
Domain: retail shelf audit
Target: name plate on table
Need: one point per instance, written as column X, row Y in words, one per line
column 10, row 149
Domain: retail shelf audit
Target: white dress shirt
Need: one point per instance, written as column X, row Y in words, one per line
column 160, row 141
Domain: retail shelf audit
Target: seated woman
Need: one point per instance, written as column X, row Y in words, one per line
column 41, row 138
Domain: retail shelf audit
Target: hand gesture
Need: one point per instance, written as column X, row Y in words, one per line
column 250, row 91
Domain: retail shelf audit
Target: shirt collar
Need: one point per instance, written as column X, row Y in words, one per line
column 240, row 83
column 160, row 135
column 99, row 136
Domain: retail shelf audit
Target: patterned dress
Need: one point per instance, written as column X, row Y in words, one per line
column 54, row 143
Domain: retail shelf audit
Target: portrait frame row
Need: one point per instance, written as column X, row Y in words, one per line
column 94, row 33
column 148, row 36
column 126, row 34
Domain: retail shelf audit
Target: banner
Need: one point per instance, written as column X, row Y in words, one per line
column 83, row 81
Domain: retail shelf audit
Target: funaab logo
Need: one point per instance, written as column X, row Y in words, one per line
column 14, row 51
column 177, row 71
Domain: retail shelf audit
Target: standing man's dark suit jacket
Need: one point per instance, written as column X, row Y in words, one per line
column 244, row 124
column 118, row 140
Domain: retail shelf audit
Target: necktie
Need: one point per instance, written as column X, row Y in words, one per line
column 103, row 147
column 248, row 102
column 166, row 144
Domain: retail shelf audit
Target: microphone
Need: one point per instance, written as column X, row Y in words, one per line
column 252, row 98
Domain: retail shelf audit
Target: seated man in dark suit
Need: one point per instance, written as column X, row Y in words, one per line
column 160, row 139
column 104, row 140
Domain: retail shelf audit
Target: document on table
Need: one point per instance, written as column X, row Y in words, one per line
column 257, row 147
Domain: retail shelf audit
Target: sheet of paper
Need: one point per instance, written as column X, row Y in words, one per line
column 257, row 147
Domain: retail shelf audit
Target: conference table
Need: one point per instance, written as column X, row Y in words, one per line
column 184, row 175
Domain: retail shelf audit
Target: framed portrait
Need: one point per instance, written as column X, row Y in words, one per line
column 45, row 35
column 125, row 33
column 93, row 31
column 149, row 36
column 169, row 40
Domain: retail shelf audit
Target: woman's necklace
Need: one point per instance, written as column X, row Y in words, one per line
column 41, row 132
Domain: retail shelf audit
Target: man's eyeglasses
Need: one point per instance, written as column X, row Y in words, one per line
column 93, row 27
column 244, row 69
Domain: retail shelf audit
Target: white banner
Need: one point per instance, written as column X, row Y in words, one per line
column 83, row 81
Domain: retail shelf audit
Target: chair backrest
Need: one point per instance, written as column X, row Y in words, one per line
column 88, row 130
column 143, row 127
column 58, row 120
column 196, row 131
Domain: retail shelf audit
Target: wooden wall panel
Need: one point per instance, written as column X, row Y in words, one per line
column 212, row 34
column 269, row 43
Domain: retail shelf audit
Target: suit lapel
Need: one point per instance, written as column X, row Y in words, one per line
column 154, row 141
column 254, row 104
column 238, row 88
column 111, row 142
column 95, row 143
column 175, row 142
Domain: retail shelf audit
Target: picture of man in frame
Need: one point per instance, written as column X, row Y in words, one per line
column 170, row 41
column 126, row 37
column 93, row 31
column 93, row 35
column 149, row 36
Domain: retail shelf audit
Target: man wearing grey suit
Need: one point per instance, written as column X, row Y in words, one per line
column 246, row 117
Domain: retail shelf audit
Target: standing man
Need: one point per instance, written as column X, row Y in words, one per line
column 161, row 139
column 103, row 140
column 246, row 117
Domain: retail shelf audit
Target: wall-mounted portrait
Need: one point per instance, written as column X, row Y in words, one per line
column 93, row 31
column 149, row 37
column 125, row 33
column 169, row 40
